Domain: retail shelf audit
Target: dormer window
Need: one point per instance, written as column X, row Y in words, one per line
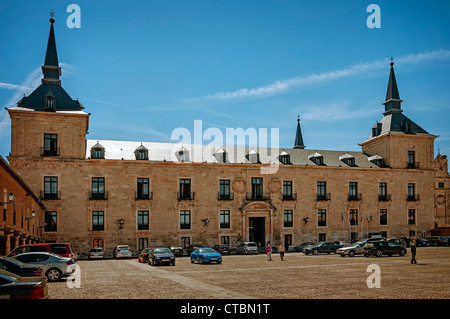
column 50, row 101
column 221, row 156
column 377, row 160
column 317, row 158
column 284, row 158
column 98, row 151
column 348, row 159
column 183, row 154
column 253, row 157
column 141, row 153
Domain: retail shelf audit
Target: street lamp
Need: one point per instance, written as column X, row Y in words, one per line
column 10, row 198
column 33, row 214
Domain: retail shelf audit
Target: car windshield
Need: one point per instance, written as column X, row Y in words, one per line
column 206, row 250
column 355, row 244
column 162, row 251
column 123, row 247
column 251, row 245
column 96, row 249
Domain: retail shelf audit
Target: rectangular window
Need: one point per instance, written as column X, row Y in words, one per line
column 50, row 145
column 287, row 191
column 411, row 216
column 383, row 216
column 97, row 242
column 185, row 219
column 185, row 242
column 322, row 237
column 224, row 219
column 50, row 222
column 143, row 220
column 288, row 218
column 257, row 188
column 411, row 191
column 142, row 243
column 98, row 220
column 50, row 187
column 321, row 217
column 353, row 217
column 224, row 189
column 411, row 159
column 143, row 188
column 98, row 188
column 353, row 191
column 185, row 189
column 382, row 191
column 321, row 190
column 224, row 240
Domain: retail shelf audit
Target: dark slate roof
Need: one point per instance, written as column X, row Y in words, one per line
column 298, row 137
column 63, row 102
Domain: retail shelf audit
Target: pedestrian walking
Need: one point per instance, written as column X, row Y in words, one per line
column 281, row 250
column 412, row 244
column 269, row 252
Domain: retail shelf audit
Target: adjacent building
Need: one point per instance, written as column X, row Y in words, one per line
column 104, row 192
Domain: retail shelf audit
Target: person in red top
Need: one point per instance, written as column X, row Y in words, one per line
column 269, row 251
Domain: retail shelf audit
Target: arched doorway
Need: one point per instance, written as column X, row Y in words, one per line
column 257, row 222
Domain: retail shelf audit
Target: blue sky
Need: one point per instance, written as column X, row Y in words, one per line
column 145, row 68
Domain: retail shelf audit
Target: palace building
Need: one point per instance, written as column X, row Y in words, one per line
column 105, row 193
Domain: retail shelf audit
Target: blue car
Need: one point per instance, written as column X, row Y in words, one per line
column 205, row 255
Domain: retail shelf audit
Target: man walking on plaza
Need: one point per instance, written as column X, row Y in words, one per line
column 281, row 250
column 413, row 251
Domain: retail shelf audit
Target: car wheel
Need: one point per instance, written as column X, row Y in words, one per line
column 379, row 253
column 315, row 252
column 402, row 252
column 53, row 274
column 351, row 253
column 192, row 260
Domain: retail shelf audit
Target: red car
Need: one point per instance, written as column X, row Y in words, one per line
column 62, row 249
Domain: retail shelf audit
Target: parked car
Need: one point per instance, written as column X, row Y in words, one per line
column 53, row 266
column 19, row 268
column 247, row 248
column 222, row 249
column 397, row 241
column 438, row 240
column 96, row 253
column 143, row 255
column 157, row 256
column 206, row 255
column 177, row 251
column 322, row 247
column 352, row 250
column 423, row 242
column 382, row 247
column 122, row 251
column 302, row 246
column 62, row 249
column 13, row 286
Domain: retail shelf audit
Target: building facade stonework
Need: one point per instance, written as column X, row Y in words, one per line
column 105, row 193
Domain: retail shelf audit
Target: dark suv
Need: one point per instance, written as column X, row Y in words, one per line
column 382, row 247
column 322, row 247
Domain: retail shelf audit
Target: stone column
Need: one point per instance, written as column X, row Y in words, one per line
column 7, row 244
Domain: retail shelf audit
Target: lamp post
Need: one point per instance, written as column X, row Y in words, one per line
column 33, row 214
column 11, row 197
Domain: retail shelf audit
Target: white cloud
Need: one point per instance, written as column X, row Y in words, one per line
column 336, row 111
column 281, row 86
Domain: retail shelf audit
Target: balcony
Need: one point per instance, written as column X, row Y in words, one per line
column 50, row 152
column 51, row 195
column 292, row 196
column 385, row 198
column 98, row 196
column 413, row 198
column 225, row 196
column 256, row 197
column 143, row 196
column 412, row 164
column 326, row 196
column 354, row 197
column 185, row 196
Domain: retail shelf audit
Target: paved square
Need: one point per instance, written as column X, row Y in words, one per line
column 298, row 276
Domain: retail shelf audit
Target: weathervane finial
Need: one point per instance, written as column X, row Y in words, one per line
column 52, row 15
column 392, row 60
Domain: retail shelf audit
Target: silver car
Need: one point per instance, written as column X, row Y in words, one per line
column 355, row 249
column 96, row 252
column 122, row 251
column 247, row 248
column 53, row 266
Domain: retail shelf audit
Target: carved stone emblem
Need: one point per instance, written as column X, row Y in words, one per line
column 239, row 185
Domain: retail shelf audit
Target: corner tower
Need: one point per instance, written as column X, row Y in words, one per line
column 399, row 141
column 48, row 122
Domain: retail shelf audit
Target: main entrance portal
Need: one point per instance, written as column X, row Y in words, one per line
column 257, row 230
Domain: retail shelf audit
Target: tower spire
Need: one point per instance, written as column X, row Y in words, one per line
column 298, row 136
column 51, row 69
column 393, row 101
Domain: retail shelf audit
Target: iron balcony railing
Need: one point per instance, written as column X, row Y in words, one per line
column 98, row 195
column 255, row 197
column 229, row 196
column 185, row 195
column 50, row 195
column 326, row 196
column 143, row 196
